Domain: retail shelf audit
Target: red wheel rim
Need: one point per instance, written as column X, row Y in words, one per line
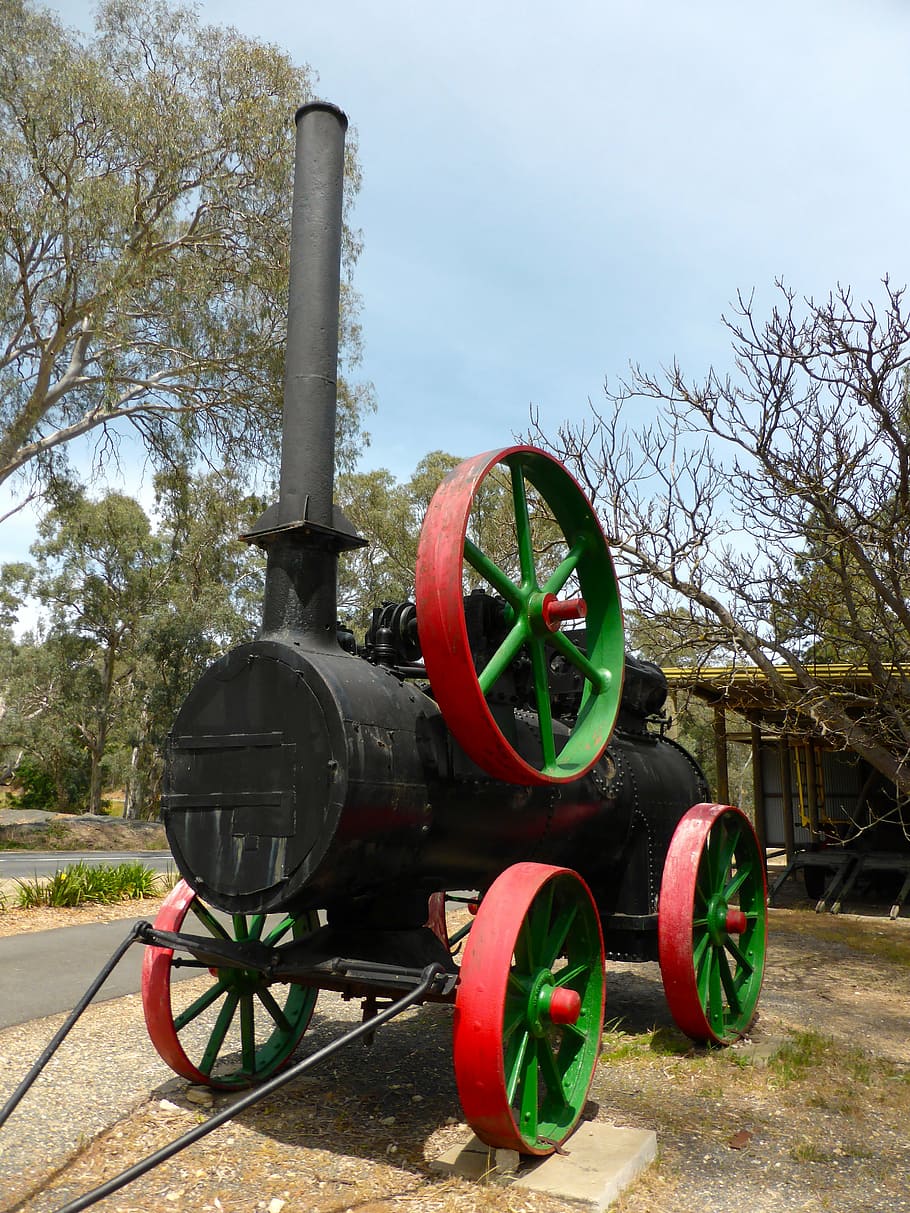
column 712, row 923
column 529, row 1009
column 536, row 615
column 236, row 991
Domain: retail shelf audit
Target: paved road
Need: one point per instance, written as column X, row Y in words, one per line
column 25, row 864
column 43, row 972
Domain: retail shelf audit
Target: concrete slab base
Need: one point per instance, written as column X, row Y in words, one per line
column 598, row 1163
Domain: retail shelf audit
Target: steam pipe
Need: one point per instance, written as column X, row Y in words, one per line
column 311, row 362
column 303, row 532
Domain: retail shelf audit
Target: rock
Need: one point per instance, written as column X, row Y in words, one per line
column 200, row 1095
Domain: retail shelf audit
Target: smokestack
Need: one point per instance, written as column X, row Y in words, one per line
column 304, row 532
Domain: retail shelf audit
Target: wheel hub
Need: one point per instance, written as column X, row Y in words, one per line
column 550, row 1004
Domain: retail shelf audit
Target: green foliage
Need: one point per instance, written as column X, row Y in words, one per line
column 38, row 790
column 134, row 614
column 145, row 194
column 82, row 883
column 390, row 515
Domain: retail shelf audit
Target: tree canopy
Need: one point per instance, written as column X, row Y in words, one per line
column 767, row 510
column 145, row 201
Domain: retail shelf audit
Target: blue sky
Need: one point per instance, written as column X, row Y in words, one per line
column 551, row 192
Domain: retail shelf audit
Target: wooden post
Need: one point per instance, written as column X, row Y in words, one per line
column 720, row 754
column 812, row 790
column 758, row 791
column 786, row 792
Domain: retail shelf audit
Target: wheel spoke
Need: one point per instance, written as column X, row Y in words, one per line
column 188, row 1014
column 257, row 922
column 538, row 925
column 739, row 955
column 566, row 567
column 550, row 1071
column 715, row 1004
column 513, row 1017
column 558, row 934
column 503, row 657
column 528, row 1095
column 265, row 997
column 599, row 679
column 280, row 930
column 515, row 1067
column 542, row 698
column 728, row 983
column 570, row 973
column 247, row 1034
column 208, row 919
column 523, row 526
column 736, row 883
column 240, row 927
column 220, row 1030
column 492, row 574
column 698, row 952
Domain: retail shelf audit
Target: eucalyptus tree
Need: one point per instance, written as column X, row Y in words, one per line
column 145, row 196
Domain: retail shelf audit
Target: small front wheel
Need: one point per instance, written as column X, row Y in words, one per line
column 712, row 923
column 236, row 1032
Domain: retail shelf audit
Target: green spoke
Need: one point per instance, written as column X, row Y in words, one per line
column 550, row 1070
column 493, row 574
column 599, row 679
column 515, row 1069
column 699, row 922
column 240, row 927
column 208, row 919
column 698, row 952
column 566, row 976
column 542, row 697
column 257, row 922
column 578, row 1035
column 528, row 1096
column 736, row 883
column 538, row 924
column 566, row 568
column 280, row 930
column 212, row 994
column 720, row 847
column 247, row 1034
column 265, row 997
column 503, row 657
column 522, row 526
column 512, row 1018
column 220, row 1030
column 558, row 933
column 728, row 983
column 738, row 955
column 715, row 1005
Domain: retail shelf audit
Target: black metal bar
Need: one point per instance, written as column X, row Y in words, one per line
column 280, row 1080
column 10, row 1105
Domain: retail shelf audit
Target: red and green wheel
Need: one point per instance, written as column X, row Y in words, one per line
column 534, row 612
column 236, row 1032
column 529, row 1009
column 712, row 923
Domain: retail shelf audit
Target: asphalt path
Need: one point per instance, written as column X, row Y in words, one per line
column 26, row 864
column 43, row 972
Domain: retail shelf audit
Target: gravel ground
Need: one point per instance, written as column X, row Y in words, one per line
column 823, row 1126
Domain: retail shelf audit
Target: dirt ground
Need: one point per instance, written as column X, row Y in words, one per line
column 23, row 830
column 810, row 1115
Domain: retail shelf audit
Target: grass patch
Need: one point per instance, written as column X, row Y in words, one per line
column 81, row 884
column 806, row 1052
